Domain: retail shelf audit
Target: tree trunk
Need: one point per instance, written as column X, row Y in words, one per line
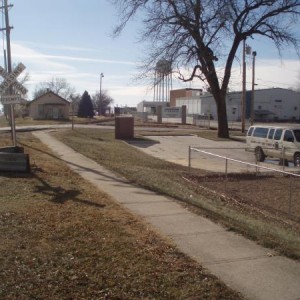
column 223, row 131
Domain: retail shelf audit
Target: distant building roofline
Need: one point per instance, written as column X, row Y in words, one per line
column 187, row 89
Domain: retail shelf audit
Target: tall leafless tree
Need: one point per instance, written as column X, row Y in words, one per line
column 57, row 85
column 102, row 104
column 205, row 35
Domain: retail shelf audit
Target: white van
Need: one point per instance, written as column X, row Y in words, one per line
column 281, row 142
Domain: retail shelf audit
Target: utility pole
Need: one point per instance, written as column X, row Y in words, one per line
column 246, row 50
column 9, row 67
column 243, row 112
column 254, row 53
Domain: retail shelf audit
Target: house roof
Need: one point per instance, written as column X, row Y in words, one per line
column 50, row 92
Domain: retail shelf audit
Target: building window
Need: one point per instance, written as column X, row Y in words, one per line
column 277, row 100
column 259, row 106
column 295, row 108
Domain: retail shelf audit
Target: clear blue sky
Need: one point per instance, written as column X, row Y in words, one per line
column 72, row 39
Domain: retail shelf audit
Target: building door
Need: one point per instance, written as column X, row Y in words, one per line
column 55, row 112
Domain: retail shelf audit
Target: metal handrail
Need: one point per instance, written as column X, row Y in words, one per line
column 248, row 164
column 238, row 161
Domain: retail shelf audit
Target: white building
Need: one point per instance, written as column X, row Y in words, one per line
column 275, row 104
column 150, row 107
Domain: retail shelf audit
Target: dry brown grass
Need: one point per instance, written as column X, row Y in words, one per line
column 26, row 121
column 61, row 238
column 246, row 217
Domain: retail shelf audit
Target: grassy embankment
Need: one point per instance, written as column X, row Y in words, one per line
column 28, row 121
column 63, row 239
column 169, row 179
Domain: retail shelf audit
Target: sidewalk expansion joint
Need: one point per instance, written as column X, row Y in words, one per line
column 145, row 202
column 229, row 261
column 163, row 215
column 191, row 234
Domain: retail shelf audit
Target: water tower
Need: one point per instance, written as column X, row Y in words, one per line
column 162, row 81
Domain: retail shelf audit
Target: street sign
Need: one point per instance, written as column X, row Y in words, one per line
column 10, row 79
column 10, row 99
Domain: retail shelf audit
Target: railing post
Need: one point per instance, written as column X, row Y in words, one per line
column 256, row 168
column 290, row 197
column 226, row 173
column 283, row 158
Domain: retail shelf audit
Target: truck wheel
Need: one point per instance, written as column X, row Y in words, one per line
column 259, row 154
column 297, row 160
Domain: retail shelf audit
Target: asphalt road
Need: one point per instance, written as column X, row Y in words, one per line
column 176, row 149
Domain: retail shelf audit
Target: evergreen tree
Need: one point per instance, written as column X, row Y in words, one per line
column 85, row 109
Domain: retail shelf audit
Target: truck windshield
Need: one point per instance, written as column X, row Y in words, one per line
column 297, row 134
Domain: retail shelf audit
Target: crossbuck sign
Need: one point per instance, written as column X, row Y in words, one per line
column 10, row 79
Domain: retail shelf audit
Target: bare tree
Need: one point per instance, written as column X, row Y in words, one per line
column 206, row 34
column 59, row 86
column 102, row 103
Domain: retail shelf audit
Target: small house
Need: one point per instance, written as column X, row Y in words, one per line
column 49, row 106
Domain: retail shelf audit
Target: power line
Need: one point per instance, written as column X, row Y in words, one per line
column 281, row 83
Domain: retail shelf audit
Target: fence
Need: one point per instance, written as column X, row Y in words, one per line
column 269, row 189
column 202, row 121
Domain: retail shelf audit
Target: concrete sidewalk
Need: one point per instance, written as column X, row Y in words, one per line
column 243, row 265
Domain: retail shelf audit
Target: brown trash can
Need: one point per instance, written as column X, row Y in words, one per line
column 124, row 128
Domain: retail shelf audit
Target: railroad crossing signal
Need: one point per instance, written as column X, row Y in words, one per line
column 10, row 99
column 10, row 79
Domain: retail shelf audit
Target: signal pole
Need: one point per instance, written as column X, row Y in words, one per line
column 8, row 63
column 7, row 28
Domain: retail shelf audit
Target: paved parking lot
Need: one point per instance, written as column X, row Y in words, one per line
column 175, row 149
